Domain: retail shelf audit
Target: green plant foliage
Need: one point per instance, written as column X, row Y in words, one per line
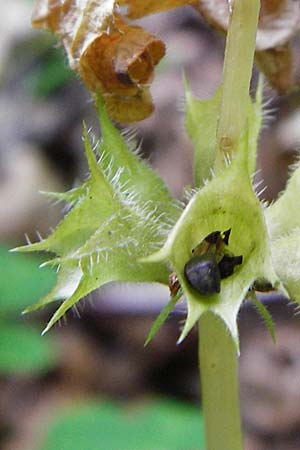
column 162, row 317
column 227, row 201
column 122, row 213
column 50, row 75
column 283, row 220
column 136, row 176
column 159, row 425
column 201, row 124
column 22, row 350
column 266, row 316
column 21, row 281
column 285, row 253
column 220, row 206
column 282, row 216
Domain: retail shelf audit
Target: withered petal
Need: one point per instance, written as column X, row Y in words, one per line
column 46, row 14
column 111, row 56
column 97, row 67
column 277, row 65
column 120, row 62
column 75, row 23
column 129, row 109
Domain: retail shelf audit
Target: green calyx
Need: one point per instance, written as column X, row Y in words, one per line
column 226, row 202
column 267, row 238
column 283, row 222
column 122, row 213
column 123, row 224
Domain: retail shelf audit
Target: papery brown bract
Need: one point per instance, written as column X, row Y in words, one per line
column 112, row 57
column 129, row 109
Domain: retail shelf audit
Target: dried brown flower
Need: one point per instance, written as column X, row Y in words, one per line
column 111, row 56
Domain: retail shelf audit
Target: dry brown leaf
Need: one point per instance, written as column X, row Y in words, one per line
column 46, row 14
column 140, row 8
column 111, row 56
column 277, row 65
column 129, row 109
column 76, row 23
column 279, row 21
column 122, row 61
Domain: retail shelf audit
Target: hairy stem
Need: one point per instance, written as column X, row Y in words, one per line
column 237, row 71
column 219, row 382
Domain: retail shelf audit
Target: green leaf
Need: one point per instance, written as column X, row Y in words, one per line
column 23, row 350
column 283, row 221
column 21, row 281
column 201, row 124
column 159, row 425
column 51, row 74
column 136, row 175
column 71, row 197
column 162, row 317
column 264, row 313
column 122, row 213
column 68, row 278
column 286, row 260
column 283, row 216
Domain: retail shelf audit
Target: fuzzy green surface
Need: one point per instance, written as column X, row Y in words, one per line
column 201, row 125
column 122, row 213
column 228, row 201
column 283, row 219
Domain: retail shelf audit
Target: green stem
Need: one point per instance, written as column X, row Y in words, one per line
column 217, row 351
column 219, row 382
column 237, row 71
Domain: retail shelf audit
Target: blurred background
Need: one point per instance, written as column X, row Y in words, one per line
column 90, row 384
